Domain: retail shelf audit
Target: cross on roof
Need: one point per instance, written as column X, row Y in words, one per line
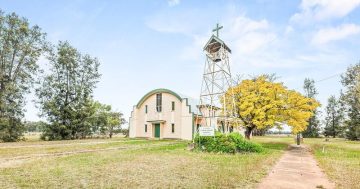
column 217, row 29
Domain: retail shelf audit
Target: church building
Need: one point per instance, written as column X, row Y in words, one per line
column 164, row 114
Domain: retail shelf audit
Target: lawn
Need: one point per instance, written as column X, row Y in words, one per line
column 340, row 159
column 128, row 163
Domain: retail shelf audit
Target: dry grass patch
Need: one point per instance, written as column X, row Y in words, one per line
column 340, row 159
column 157, row 164
column 11, row 151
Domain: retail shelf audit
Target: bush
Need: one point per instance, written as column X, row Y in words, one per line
column 11, row 130
column 223, row 143
column 244, row 145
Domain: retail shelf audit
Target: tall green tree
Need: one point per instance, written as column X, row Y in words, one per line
column 34, row 126
column 334, row 118
column 351, row 98
column 105, row 120
column 65, row 94
column 21, row 45
column 310, row 92
column 99, row 119
column 115, row 121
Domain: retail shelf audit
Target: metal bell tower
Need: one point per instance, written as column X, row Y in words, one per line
column 216, row 81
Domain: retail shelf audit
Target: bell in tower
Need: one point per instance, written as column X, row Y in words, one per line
column 215, row 47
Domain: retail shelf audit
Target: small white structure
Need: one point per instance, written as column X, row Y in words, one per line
column 162, row 113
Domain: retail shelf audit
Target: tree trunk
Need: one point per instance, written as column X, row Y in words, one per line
column 2, row 102
column 298, row 138
column 333, row 122
column 248, row 132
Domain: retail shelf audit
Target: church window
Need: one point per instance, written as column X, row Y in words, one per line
column 173, row 106
column 145, row 128
column 172, row 128
column 158, row 102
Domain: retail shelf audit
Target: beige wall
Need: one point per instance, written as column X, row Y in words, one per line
column 181, row 117
column 187, row 118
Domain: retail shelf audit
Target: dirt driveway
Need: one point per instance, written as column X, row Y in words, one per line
column 296, row 169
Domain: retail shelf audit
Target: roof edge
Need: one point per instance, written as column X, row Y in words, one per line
column 155, row 91
column 219, row 40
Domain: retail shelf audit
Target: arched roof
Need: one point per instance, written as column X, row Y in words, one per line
column 142, row 100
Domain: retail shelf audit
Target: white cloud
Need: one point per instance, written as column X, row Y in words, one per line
column 248, row 35
column 326, row 35
column 195, row 50
column 172, row 3
column 318, row 10
column 288, row 30
column 170, row 21
column 167, row 26
column 245, row 36
column 253, row 42
column 257, row 45
column 242, row 24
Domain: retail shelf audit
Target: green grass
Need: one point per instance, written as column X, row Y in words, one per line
column 11, row 151
column 125, row 163
column 134, row 164
column 340, row 159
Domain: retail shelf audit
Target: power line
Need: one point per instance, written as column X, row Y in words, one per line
column 323, row 79
column 327, row 78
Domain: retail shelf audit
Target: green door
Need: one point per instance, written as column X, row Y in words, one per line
column 157, row 130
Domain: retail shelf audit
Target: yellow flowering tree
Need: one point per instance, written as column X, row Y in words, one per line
column 261, row 103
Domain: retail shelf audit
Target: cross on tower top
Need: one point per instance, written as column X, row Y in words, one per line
column 217, row 29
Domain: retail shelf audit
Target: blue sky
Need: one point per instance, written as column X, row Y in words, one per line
column 143, row 45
